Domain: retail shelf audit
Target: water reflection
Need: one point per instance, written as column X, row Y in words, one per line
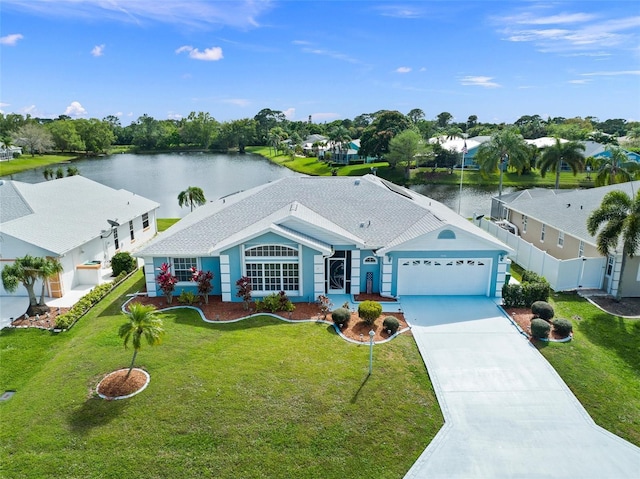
column 162, row 177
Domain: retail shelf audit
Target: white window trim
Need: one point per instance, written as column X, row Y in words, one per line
column 274, row 260
column 543, row 233
column 560, row 239
column 524, row 223
column 173, row 268
column 370, row 260
column 580, row 249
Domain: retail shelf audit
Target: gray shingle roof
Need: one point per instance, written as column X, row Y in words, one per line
column 62, row 214
column 569, row 211
column 360, row 209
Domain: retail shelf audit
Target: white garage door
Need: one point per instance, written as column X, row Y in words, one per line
column 464, row 276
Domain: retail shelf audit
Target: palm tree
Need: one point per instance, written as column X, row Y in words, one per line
column 505, row 149
column 191, row 196
column 552, row 158
column 616, row 168
column 27, row 271
column 142, row 323
column 619, row 216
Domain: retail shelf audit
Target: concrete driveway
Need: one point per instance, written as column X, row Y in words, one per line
column 507, row 412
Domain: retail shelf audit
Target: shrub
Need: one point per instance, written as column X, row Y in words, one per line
column 391, row 324
column 369, row 311
column 325, row 305
column 563, row 327
column 187, row 297
column 533, row 292
column 540, row 328
column 123, row 261
column 512, row 296
column 244, row 291
column 166, row 281
column 524, row 295
column 531, row 277
column 275, row 302
column 542, row 310
column 341, row 316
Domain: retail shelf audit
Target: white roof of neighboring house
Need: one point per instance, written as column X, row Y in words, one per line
column 569, row 210
column 544, row 142
column 456, row 144
column 62, row 214
column 366, row 211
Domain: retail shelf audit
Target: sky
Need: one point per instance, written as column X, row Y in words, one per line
column 498, row 60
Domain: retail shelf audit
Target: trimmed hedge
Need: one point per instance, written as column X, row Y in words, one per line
column 542, row 310
column 540, row 329
column 274, row 303
column 369, row 311
column 84, row 304
column 391, row 323
column 123, row 261
column 523, row 295
column 341, row 316
column 563, row 327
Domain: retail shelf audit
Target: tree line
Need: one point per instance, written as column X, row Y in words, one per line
column 201, row 131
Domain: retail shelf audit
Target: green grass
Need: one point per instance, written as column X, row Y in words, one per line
column 312, row 166
column 601, row 364
column 27, row 162
column 257, row 398
column 164, row 223
column 510, row 179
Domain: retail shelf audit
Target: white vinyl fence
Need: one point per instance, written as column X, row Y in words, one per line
column 562, row 274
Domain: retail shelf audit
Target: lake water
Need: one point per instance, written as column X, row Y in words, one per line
column 162, row 177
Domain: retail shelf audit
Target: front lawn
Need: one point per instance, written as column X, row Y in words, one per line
column 257, row 398
column 601, row 364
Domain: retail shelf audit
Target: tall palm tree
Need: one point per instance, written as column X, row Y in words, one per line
column 552, row 158
column 142, row 323
column 191, row 196
column 49, row 268
column 619, row 217
column 616, row 168
column 505, row 149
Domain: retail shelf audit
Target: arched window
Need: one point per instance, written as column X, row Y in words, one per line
column 370, row 260
column 446, row 234
column 273, row 268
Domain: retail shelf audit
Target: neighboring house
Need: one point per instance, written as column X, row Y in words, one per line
column 457, row 145
column 78, row 221
column 309, row 236
column 597, row 150
column 347, row 153
column 8, row 153
column 556, row 222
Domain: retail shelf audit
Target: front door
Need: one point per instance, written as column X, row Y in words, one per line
column 336, row 275
column 608, row 273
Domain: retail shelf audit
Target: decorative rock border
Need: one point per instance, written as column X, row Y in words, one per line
column 110, row 398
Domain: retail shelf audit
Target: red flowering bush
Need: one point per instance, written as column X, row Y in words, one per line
column 203, row 278
column 166, row 281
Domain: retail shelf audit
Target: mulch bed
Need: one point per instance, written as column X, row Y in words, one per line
column 116, row 384
column 43, row 321
column 523, row 317
column 622, row 307
column 217, row 310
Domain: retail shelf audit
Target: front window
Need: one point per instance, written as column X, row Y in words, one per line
column 131, row 231
column 145, row 220
column 581, row 249
column 182, row 268
column 273, row 268
column 116, row 241
column 610, row 262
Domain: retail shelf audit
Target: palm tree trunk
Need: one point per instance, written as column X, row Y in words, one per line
column 558, row 176
column 133, row 360
column 625, row 255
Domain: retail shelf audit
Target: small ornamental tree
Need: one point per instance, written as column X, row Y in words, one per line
column 203, row 279
column 369, row 311
column 244, row 291
column 166, row 281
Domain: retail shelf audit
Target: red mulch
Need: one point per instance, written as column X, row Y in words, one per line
column 44, row 321
column 523, row 317
column 217, row 310
column 117, row 384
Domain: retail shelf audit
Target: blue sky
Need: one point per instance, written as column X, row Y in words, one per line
column 331, row 60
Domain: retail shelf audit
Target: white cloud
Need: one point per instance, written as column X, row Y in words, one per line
column 290, row 113
column 118, row 113
column 613, row 73
column 479, row 81
column 209, row 54
column 561, row 18
column 401, row 11
column 31, row 109
column 403, row 69
column 332, row 54
column 579, row 82
column 11, row 40
column 193, row 13
column 174, row 116
column 98, row 50
column 75, row 109
column 237, row 101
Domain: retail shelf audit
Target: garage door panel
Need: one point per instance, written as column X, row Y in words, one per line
column 448, row 276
